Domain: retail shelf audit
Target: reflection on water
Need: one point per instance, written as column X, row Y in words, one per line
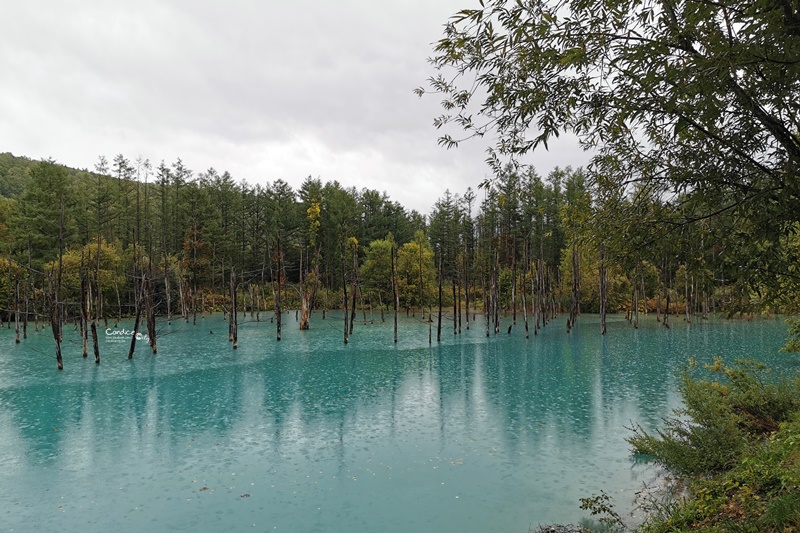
column 474, row 434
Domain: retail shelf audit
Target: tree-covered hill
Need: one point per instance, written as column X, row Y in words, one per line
column 133, row 239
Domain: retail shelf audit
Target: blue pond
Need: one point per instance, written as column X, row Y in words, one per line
column 308, row 434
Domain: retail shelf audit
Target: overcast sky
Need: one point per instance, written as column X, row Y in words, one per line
column 262, row 89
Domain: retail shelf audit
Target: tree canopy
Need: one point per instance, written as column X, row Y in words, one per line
column 691, row 102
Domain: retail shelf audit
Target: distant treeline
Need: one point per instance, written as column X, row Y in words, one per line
column 129, row 238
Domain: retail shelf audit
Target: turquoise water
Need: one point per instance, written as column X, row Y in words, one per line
column 474, row 434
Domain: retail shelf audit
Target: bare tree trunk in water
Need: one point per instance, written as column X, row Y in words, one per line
column 278, row 310
column 151, row 315
column 119, row 305
column 252, row 300
column 55, row 304
column 84, row 311
column 496, row 293
column 421, row 288
column 139, row 300
column 574, row 307
column 486, row 302
column 25, row 314
column 659, row 272
column 524, row 307
column 455, row 308
column 354, row 278
column 94, row 343
column 439, row 326
column 55, row 321
column 686, row 293
column 234, row 318
column 466, row 283
column 167, row 290
column 514, row 282
column 458, row 308
column 16, row 308
column 603, row 290
column 344, row 294
column 93, row 321
column 666, row 310
column 395, row 298
column 182, row 292
column 304, row 297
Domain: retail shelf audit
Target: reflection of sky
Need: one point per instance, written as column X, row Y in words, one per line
column 309, row 434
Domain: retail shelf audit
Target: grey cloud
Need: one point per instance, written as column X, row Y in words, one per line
column 263, row 89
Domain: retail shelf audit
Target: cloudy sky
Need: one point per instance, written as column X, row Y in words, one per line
column 263, row 89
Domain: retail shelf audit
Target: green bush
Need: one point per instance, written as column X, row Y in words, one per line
column 737, row 444
column 720, row 417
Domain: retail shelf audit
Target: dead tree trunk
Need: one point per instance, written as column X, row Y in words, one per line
column 514, row 281
column 84, row 311
column 278, row 310
column 439, row 323
column 119, row 305
column 466, row 283
column 16, row 308
column 55, row 320
column 574, row 307
column 395, row 298
column 686, row 294
column 455, row 307
column 93, row 319
column 344, row 295
column 151, row 317
column 138, row 302
column 55, row 304
column 25, row 314
column 354, row 286
column 304, row 303
column 234, row 318
column 603, row 289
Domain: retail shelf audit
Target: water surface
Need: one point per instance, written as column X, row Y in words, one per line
column 308, row 434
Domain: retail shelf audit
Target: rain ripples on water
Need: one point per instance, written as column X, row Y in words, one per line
column 309, row 434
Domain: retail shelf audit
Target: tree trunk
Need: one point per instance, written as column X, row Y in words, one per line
column 138, row 302
column 25, row 314
column 95, row 345
column 455, row 307
column 603, row 290
column 304, row 304
column 354, row 279
column 395, row 298
column 55, row 323
column 84, row 311
column 466, row 283
column 151, row 315
column 458, row 308
column 514, row 282
column 16, row 308
column 686, row 294
column 439, row 324
column 278, row 310
column 55, row 304
column 344, row 294
column 234, row 318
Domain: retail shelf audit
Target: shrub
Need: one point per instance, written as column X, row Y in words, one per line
column 720, row 417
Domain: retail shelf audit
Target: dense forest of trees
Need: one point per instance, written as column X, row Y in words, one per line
column 130, row 239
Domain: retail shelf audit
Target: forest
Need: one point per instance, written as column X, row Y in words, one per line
column 133, row 240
